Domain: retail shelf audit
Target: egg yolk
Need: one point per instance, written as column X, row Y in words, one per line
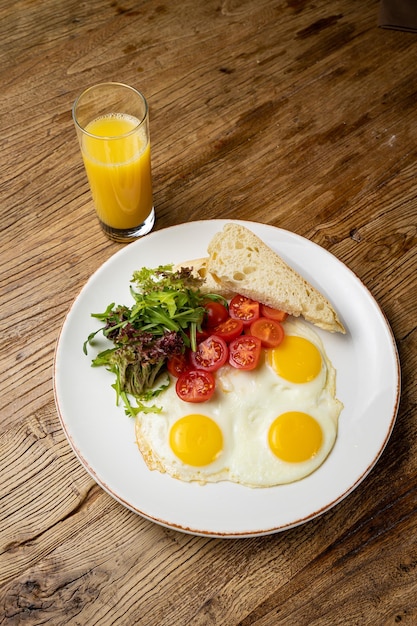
column 296, row 359
column 295, row 437
column 196, row 440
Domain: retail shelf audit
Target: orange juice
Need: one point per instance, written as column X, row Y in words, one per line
column 117, row 159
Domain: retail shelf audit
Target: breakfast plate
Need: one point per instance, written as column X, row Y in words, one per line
column 103, row 437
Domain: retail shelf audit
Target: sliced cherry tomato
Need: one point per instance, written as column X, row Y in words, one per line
column 178, row 364
column 211, row 354
column 273, row 314
column 244, row 309
column 270, row 332
column 216, row 313
column 244, row 352
column 228, row 330
column 195, row 386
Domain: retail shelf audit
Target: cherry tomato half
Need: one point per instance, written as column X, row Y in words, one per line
column 178, row 364
column 216, row 313
column 228, row 330
column 270, row 332
column 273, row 314
column 244, row 309
column 211, row 354
column 195, row 386
column 244, row 352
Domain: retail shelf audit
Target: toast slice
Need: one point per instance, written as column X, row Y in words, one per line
column 242, row 263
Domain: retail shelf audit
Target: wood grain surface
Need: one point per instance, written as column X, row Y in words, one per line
column 294, row 113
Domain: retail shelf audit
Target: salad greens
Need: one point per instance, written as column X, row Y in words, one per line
column 167, row 313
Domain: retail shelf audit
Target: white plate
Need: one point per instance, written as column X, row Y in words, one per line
column 368, row 384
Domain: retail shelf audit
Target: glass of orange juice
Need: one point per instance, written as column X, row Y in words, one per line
column 112, row 123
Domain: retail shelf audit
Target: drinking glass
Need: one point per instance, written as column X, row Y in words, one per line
column 112, row 124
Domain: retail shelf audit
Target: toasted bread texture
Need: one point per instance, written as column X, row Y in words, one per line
column 240, row 262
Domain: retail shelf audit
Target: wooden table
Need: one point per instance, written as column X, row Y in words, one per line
column 298, row 114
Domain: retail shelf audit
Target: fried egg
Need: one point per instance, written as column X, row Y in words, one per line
column 269, row 426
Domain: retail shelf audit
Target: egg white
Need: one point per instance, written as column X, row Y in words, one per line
column 244, row 406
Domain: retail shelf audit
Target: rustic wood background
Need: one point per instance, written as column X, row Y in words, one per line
column 297, row 113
